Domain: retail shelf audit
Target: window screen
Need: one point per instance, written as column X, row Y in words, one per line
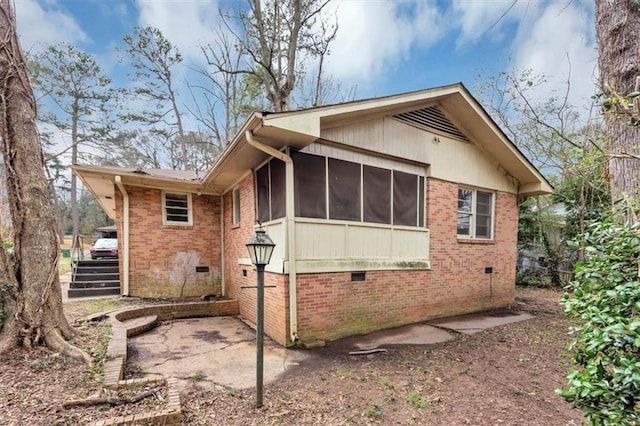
column 405, row 199
column 483, row 214
column 464, row 211
column 278, row 189
column 262, row 184
column 421, row 196
column 310, row 185
column 376, row 195
column 344, row 190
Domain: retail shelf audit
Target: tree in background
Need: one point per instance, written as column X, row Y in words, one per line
column 564, row 146
column 232, row 95
column 278, row 37
column 74, row 98
column 29, row 284
column 155, row 105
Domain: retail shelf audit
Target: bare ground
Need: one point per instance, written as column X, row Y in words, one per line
column 506, row 375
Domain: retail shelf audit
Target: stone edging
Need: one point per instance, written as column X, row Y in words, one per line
column 144, row 319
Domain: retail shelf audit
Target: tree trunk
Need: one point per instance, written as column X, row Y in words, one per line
column 618, row 32
column 75, row 215
column 33, row 299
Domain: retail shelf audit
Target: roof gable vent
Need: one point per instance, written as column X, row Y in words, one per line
column 431, row 118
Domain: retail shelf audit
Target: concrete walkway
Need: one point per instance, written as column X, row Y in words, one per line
column 222, row 351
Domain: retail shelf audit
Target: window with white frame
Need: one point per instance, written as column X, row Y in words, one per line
column 236, row 206
column 176, row 208
column 475, row 213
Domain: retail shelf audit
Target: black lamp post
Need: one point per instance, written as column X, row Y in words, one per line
column 260, row 250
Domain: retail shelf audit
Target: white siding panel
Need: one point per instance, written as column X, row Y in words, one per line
column 449, row 159
column 320, row 241
column 278, row 234
column 369, row 243
column 407, row 244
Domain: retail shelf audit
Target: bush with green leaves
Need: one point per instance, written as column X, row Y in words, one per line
column 605, row 300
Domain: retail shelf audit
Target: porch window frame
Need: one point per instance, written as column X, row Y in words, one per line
column 165, row 219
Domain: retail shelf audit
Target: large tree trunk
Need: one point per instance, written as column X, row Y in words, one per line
column 33, row 300
column 618, row 31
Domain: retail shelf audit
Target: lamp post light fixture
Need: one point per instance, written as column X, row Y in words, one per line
column 260, row 248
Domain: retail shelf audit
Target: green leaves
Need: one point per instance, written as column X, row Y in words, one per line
column 606, row 298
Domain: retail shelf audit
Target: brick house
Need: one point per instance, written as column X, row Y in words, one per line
column 385, row 212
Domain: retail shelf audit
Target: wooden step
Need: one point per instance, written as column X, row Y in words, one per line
column 95, row 284
column 91, row 292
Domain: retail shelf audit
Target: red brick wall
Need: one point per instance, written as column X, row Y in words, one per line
column 163, row 257
column 331, row 306
column 276, row 301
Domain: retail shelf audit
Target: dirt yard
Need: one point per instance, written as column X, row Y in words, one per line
column 504, row 375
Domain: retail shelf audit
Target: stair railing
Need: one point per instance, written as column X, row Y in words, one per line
column 77, row 250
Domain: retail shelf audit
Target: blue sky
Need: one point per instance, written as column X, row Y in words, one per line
column 382, row 47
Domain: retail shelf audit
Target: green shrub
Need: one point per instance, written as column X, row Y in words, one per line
column 606, row 302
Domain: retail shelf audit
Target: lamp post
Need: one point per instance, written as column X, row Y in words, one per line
column 260, row 248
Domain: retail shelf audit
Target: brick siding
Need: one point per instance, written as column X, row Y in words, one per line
column 236, row 236
column 331, row 306
column 162, row 258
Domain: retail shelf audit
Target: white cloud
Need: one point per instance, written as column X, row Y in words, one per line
column 476, row 20
column 560, row 45
column 41, row 23
column 375, row 37
column 187, row 24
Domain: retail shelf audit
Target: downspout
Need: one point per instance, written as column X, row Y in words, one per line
column 125, row 237
column 291, row 236
column 223, row 284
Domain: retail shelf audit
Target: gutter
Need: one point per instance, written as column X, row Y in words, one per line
column 125, row 237
column 291, row 236
column 223, row 281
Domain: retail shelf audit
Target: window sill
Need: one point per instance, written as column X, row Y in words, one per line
column 235, row 225
column 178, row 225
column 475, row 241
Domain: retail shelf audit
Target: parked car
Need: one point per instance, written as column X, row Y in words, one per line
column 104, row 247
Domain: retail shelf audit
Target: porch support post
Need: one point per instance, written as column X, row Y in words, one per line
column 125, row 237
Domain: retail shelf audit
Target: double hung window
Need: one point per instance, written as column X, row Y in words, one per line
column 475, row 213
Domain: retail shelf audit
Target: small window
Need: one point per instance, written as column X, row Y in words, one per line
column 236, row 206
column 475, row 213
column 176, row 209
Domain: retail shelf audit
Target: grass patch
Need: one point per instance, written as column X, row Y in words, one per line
column 417, row 401
column 64, row 265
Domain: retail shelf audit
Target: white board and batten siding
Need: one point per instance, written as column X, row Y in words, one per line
column 448, row 158
column 337, row 246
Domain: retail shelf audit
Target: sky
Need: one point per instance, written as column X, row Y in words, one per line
column 382, row 47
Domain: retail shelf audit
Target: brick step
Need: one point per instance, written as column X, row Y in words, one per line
column 90, row 292
column 140, row 325
column 95, row 284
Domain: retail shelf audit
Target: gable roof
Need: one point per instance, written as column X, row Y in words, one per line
column 450, row 110
column 457, row 111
